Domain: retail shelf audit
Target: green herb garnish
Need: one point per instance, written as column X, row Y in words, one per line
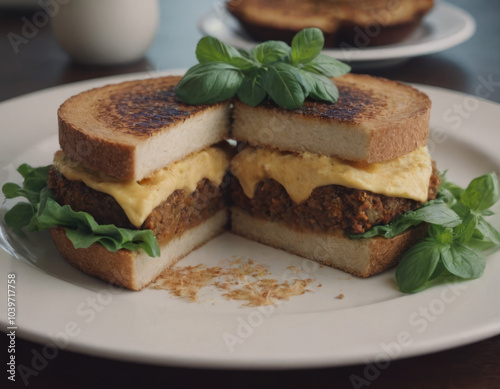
column 458, row 238
column 433, row 212
column 287, row 75
column 43, row 212
column 451, row 252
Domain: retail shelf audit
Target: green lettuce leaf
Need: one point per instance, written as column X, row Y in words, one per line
column 44, row 212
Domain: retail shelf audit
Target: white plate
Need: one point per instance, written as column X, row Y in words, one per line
column 373, row 322
column 444, row 27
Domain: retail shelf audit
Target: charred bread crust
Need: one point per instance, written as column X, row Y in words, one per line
column 103, row 128
column 374, row 120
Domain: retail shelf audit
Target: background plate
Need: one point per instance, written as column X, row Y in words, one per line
column 444, row 27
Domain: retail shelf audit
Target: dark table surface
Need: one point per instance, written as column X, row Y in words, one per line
column 40, row 64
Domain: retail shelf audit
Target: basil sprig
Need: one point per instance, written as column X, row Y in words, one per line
column 43, row 212
column 287, row 75
column 458, row 238
column 453, row 252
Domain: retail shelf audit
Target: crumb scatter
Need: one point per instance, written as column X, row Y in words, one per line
column 240, row 279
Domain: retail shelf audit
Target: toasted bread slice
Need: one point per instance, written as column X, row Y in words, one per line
column 374, row 120
column 352, row 22
column 135, row 269
column 362, row 257
column 130, row 130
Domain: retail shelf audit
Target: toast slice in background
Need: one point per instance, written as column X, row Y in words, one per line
column 359, row 23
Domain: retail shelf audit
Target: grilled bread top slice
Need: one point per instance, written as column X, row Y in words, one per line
column 130, row 130
column 386, row 21
column 374, row 120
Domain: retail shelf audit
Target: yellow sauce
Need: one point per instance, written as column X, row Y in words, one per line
column 138, row 199
column 407, row 176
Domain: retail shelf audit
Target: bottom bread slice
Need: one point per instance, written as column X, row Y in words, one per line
column 360, row 257
column 136, row 269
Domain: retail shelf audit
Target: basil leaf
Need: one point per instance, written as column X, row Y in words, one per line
column 432, row 212
column 322, row 88
column 201, row 84
column 461, row 249
column 452, row 188
column 251, row 91
column 447, row 196
column 271, row 51
column 488, row 232
column 209, row 83
column 463, row 261
column 461, row 210
column 436, row 213
column 285, row 85
column 19, row 216
column 465, row 230
column 11, row 190
column 34, row 180
column 439, row 271
column 441, row 234
column 34, row 184
column 307, row 45
column 30, row 172
column 210, row 49
column 246, row 54
column 481, row 193
column 417, row 266
column 327, row 66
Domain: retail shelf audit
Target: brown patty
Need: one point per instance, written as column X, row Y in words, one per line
column 176, row 214
column 328, row 208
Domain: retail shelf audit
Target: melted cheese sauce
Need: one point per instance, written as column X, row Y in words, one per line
column 407, row 176
column 138, row 199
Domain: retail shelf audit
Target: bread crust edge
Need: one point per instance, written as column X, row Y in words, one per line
column 377, row 254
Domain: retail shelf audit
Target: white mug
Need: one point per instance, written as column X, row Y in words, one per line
column 106, row 32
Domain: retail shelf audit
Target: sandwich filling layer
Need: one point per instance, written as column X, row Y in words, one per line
column 180, row 212
column 304, row 198
column 139, row 199
column 404, row 177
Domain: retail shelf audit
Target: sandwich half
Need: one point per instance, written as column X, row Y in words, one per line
column 135, row 157
column 304, row 180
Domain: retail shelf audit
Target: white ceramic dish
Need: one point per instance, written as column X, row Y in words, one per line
column 57, row 303
column 444, row 27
